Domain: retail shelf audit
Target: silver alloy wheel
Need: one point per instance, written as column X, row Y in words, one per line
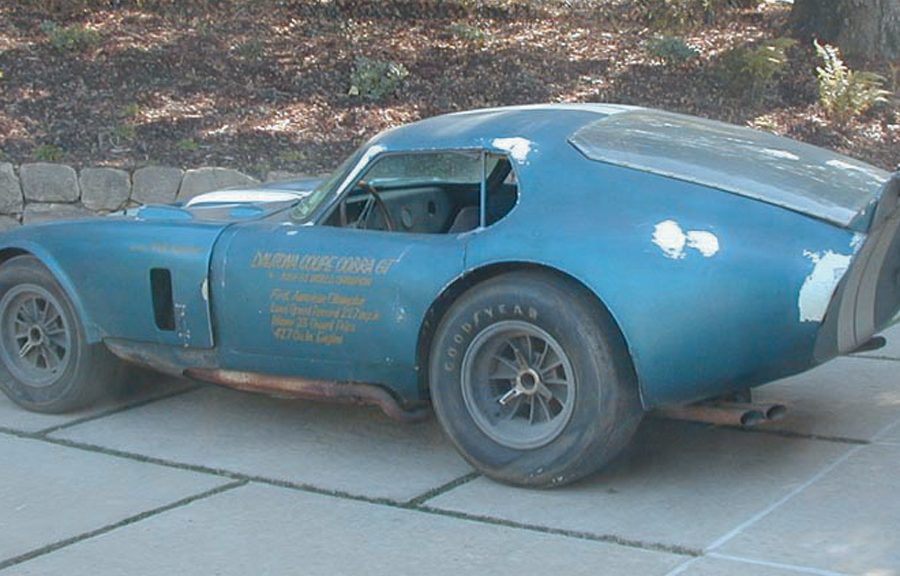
column 36, row 340
column 518, row 384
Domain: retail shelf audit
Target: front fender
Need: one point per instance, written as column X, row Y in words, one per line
column 9, row 247
column 108, row 265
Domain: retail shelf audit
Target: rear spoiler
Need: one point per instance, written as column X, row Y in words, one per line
column 887, row 201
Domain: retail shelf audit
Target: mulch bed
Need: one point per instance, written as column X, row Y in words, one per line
column 264, row 85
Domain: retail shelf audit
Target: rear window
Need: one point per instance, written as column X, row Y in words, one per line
column 755, row 164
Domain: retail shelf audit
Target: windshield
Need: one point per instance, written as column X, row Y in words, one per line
column 308, row 204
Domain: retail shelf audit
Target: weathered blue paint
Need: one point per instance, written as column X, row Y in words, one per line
column 107, row 263
column 712, row 291
column 409, row 273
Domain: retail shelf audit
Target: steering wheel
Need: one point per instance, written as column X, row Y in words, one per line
column 374, row 201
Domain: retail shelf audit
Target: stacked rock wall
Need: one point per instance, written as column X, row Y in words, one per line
column 42, row 191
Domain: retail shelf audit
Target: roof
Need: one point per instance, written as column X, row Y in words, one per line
column 740, row 160
column 538, row 123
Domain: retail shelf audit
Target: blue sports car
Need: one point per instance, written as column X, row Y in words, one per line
column 541, row 276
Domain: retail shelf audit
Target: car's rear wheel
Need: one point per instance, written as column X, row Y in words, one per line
column 531, row 379
column 46, row 365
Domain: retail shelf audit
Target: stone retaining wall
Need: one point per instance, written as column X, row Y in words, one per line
column 42, row 191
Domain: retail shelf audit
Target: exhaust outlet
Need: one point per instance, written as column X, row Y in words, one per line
column 738, row 414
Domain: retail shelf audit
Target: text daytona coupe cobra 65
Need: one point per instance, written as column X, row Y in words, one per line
column 541, row 275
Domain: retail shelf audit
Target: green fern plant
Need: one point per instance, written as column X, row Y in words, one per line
column 376, row 79
column 846, row 93
column 672, row 50
column 751, row 71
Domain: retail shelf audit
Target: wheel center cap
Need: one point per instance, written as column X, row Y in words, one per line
column 528, row 381
column 35, row 335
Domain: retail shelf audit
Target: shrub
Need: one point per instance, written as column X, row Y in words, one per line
column 376, row 79
column 250, row 50
column 671, row 50
column 187, row 145
column 465, row 31
column 70, row 38
column 129, row 110
column 750, row 70
column 49, row 153
column 846, row 93
column 124, row 132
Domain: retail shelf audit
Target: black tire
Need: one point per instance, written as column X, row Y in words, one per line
column 46, row 364
column 573, row 403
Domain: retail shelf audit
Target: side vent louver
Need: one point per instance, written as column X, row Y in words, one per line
column 163, row 305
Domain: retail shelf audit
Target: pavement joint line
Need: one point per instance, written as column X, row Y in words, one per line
column 874, row 357
column 44, row 550
column 576, row 534
column 883, row 432
column 424, row 509
column 122, row 454
column 779, row 565
column 804, row 435
column 778, row 503
column 240, row 478
column 435, row 492
column 783, row 433
column 684, row 566
column 119, row 409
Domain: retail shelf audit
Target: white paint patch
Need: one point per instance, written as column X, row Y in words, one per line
column 705, row 242
column 518, row 148
column 669, row 236
column 857, row 241
column 204, row 290
column 672, row 240
column 815, row 294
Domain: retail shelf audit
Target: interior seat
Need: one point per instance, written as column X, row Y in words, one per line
column 466, row 219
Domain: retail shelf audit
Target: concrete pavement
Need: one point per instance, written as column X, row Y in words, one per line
column 175, row 478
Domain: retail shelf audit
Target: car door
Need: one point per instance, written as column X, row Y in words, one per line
column 342, row 299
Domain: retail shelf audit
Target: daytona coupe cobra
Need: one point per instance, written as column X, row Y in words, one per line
column 541, row 275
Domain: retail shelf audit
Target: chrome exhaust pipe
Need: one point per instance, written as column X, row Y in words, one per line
column 743, row 415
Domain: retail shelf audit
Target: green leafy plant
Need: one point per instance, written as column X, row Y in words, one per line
column 375, row 79
column 672, row 50
column 292, row 156
column 250, row 50
column 750, row 70
column 846, row 93
column 124, row 132
column 49, row 153
column 465, row 31
column 129, row 110
column 69, row 38
column 187, row 145
column 768, row 122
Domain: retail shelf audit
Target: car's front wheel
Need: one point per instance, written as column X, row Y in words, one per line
column 531, row 380
column 46, row 364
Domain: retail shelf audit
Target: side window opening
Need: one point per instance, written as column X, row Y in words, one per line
column 429, row 193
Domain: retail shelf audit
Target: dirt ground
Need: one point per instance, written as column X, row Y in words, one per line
column 265, row 85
